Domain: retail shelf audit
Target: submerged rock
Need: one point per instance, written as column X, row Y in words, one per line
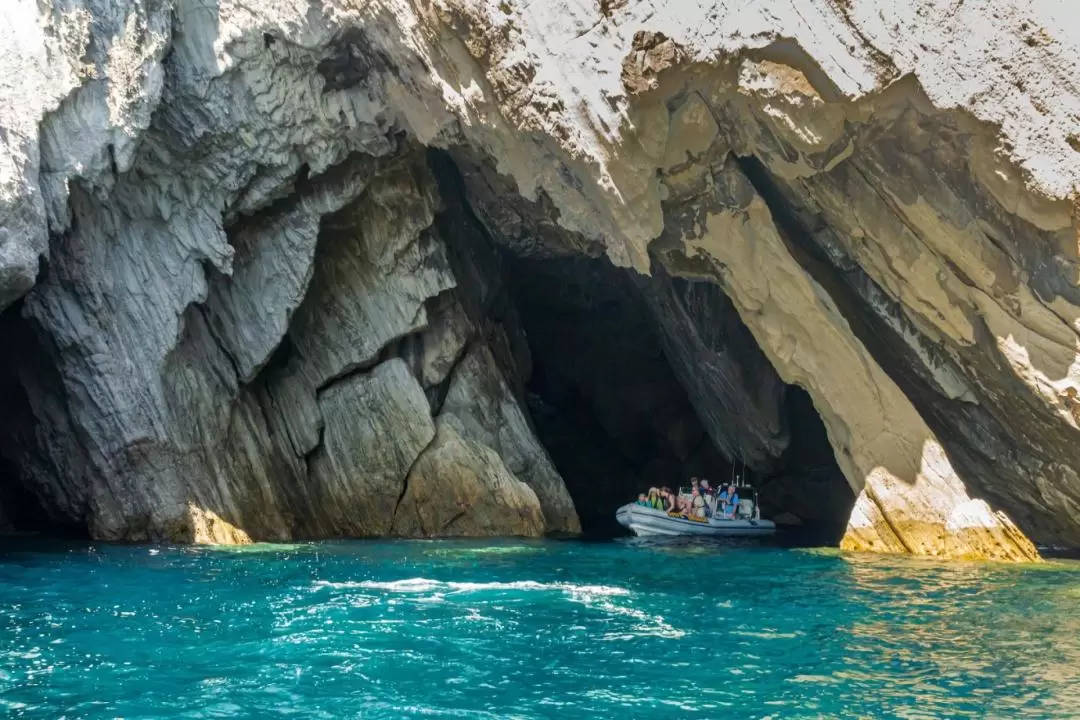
column 258, row 307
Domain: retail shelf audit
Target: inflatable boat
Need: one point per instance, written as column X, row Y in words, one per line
column 643, row 521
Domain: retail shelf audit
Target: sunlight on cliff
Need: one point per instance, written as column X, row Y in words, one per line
column 1059, row 394
column 208, row 528
column 931, row 514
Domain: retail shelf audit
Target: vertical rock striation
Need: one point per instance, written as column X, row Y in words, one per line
column 734, row 389
column 282, row 410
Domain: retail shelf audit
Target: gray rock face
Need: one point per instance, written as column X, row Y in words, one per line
column 375, row 271
column 735, row 391
column 480, row 407
column 80, row 82
column 278, row 409
column 240, row 230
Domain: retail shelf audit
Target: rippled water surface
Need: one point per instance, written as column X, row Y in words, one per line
column 530, row 630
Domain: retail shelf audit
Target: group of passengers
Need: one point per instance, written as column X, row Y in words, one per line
column 702, row 502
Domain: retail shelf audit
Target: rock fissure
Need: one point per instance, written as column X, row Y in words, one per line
column 395, row 524
column 221, row 345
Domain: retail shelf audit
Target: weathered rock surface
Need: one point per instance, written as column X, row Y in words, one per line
column 481, row 408
column 242, row 237
column 281, row 411
column 731, row 384
column 876, row 432
column 459, row 488
column 377, row 426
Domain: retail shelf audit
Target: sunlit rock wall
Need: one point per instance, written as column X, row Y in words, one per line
column 884, row 193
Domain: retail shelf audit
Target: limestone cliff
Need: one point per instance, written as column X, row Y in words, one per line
column 261, row 310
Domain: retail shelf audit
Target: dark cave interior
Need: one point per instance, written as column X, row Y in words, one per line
column 21, row 509
column 611, row 411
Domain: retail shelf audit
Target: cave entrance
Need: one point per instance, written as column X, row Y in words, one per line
column 602, row 395
column 615, row 416
column 21, row 510
column 631, row 380
column 804, row 490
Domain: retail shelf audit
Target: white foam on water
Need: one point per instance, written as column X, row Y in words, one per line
column 814, row 679
column 596, row 597
column 647, row 624
column 767, row 634
column 423, row 585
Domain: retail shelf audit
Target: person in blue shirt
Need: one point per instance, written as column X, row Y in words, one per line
column 732, row 502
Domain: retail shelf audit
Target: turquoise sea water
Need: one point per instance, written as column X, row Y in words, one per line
column 531, row 630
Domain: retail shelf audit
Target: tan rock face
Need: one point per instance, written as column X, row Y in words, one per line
column 377, row 426
column 206, row 528
column 243, row 236
column 480, row 407
column 459, row 488
column 911, row 497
